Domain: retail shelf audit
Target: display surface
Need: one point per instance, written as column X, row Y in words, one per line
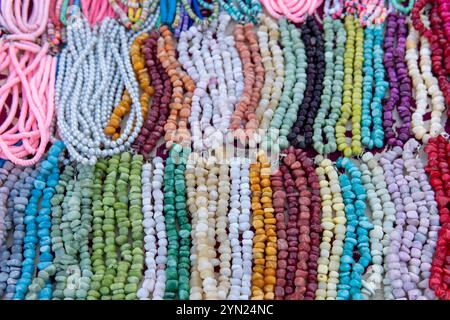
column 224, row 149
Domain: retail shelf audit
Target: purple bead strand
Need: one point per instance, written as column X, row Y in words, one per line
column 400, row 95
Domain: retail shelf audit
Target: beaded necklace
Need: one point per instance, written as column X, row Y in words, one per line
column 240, row 234
column 98, row 264
column 96, row 11
column 374, row 88
column 154, row 224
column 200, row 67
column 293, row 87
column 178, row 262
column 242, row 10
column 273, row 61
column 333, row 224
column 204, row 284
column 38, row 223
column 59, row 203
column 176, row 130
column 232, row 66
column 27, row 97
column 73, row 264
column 356, row 236
column 399, row 82
column 411, row 248
column 80, row 123
column 244, row 116
column 331, row 99
column 315, row 72
column 383, row 218
column 265, row 239
column 214, row 7
column 153, row 127
column 7, row 191
column 437, row 36
column 352, row 93
column 403, row 8
column 437, row 167
column 138, row 12
column 12, row 254
column 425, row 84
column 142, row 75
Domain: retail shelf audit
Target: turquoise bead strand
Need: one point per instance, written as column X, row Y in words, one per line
column 374, row 88
column 356, row 237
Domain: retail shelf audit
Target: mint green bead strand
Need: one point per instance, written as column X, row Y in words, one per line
column 57, row 243
column 331, row 99
column 293, row 88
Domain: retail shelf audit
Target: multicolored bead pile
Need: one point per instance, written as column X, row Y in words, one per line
column 232, row 150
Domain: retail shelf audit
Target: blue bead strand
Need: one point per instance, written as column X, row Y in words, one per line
column 374, row 77
column 38, row 224
column 356, row 236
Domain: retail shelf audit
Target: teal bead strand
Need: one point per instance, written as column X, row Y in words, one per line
column 374, row 88
column 331, row 100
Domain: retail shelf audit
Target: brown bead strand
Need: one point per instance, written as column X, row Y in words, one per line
column 176, row 128
column 265, row 239
column 248, row 48
column 307, row 183
column 153, row 128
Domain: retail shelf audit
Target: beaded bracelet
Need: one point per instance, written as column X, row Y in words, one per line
column 315, row 72
column 273, row 61
column 12, row 254
column 425, row 84
column 374, row 88
column 437, row 167
column 400, row 95
column 38, row 223
column 293, row 88
column 265, row 239
column 326, row 118
column 333, row 223
column 405, row 9
column 214, row 7
column 356, row 236
column 383, row 218
column 136, row 20
column 178, row 262
column 352, row 94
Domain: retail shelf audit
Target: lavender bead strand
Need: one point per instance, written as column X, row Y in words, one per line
column 400, row 95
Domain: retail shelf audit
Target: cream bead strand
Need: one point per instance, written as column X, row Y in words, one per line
column 425, row 85
column 273, row 61
column 334, row 226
